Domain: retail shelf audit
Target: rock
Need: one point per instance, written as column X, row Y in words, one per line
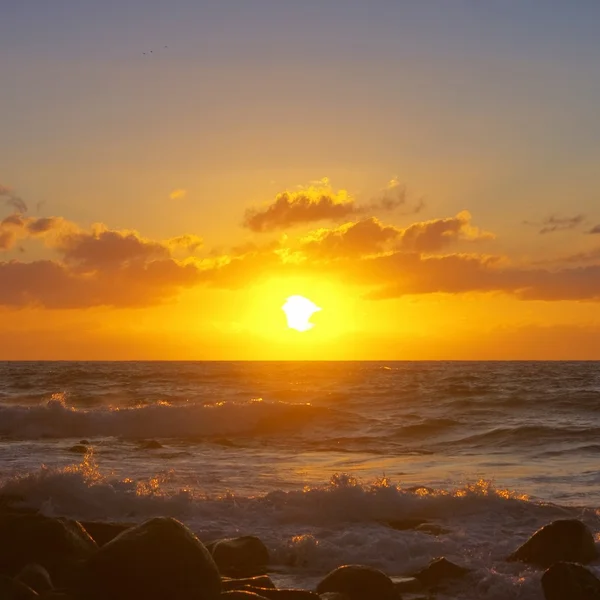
column 84, row 442
column 102, row 533
column 565, row 540
column 333, row 596
column 151, row 445
column 78, row 449
column 439, row 570
column 158, row 559
column 240, row 595
column 36, row 577
column 284, row 594
column 55, row 544
column 11, row 589
column 359, row 583
column 568, row 581
column 262, row 581
column 241, row 557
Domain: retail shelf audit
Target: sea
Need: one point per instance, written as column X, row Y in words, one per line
column 316, row 458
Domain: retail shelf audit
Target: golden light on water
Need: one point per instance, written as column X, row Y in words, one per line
column 298, row 311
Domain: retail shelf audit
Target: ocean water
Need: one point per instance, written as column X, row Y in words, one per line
column 314, row 458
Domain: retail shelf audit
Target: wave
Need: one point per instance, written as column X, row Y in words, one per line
column 56, row 419
column 529, row 435
column 313, row 530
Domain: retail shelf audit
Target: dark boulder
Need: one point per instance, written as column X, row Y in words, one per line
column 359, row 583
column 333, row 596
column 158, row 559
column 10, row 589
column 244, row 556
column 102, row 533
column 55, row 544
column 261, row 581
column 567, row 540
column 568, row 581
column 438, row 571
column 36, row 577
column 78, row 449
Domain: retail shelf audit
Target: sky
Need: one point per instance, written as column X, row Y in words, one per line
column 425, row 172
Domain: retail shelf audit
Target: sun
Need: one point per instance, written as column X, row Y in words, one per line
column 298, row 311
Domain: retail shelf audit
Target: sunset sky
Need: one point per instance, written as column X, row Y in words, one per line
column 427, row 173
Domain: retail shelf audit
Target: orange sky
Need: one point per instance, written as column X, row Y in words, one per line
column 426, row 174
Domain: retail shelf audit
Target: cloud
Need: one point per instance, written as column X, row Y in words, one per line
column 178, row 194
column 555, row 223
column 370, row 236
column 188, row 242
column 595, row 230
column 16, row 227
column 95, row 267
column 12, row 200
column 319, row 202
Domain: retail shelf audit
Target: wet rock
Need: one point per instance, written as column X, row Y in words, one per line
column 102, row 533
column 158, row 559
column 359, row 583
column 241, row 595
column 333, row 596
column 151, row 445
column 78, row 449
column 84, row 442
column 261, row 581
column 565, row 540
column 244, row 556
column 438, row 571
column 55, row 544
column 569, row 581
column 10, row 589
column 283, row 594
column 36, row 577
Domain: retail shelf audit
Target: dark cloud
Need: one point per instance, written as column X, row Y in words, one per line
column 12, row 200
column 555, row 223
column 321, row 203
column 595, row 230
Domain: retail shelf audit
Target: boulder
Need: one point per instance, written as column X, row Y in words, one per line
column 102, row 533
column 565, row 540
column 78, row 449
column 36, row 577
column 568, row 581
column 438, row 571
column 359, row 583
column 55, row 544
column 10, row 589
column 158, row 559
column 333, row 596
column 261, row 581
column 244, row 556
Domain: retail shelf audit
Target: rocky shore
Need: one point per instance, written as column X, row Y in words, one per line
column 161, row 559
